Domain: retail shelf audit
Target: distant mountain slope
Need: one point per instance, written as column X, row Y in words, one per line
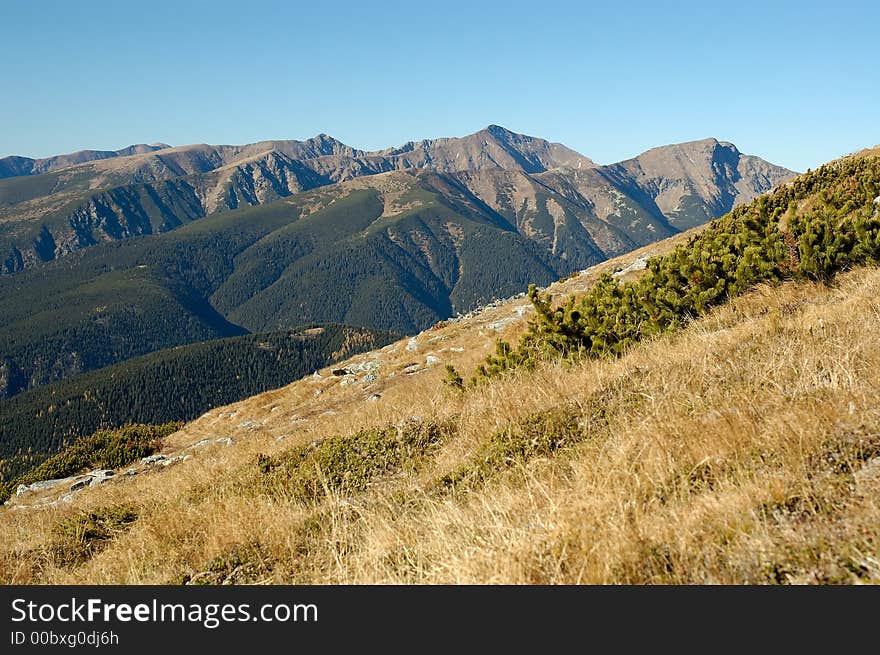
column 50, row 215
column 14, row 166
column 492, row 147
column 691, row 183
column 174, row 384
column 398, row 251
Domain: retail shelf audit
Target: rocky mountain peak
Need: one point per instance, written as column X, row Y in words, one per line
column 328, row 145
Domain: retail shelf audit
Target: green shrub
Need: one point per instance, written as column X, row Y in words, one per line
column 241, row 564
column 538, row 435
column 80, row 537
column 347, row 464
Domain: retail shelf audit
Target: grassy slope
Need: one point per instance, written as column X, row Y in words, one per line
column 740, row 450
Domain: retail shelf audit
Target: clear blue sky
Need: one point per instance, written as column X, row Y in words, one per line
column 795, row 82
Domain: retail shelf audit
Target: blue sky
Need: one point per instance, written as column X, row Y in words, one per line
column 797, row 83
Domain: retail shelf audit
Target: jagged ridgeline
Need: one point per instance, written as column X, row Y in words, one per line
column 819, row 224
column 169, row 385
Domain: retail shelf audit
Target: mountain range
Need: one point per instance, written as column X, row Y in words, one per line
column 115, row 255
column 51, row 207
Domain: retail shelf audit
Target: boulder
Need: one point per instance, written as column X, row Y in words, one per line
column 175, row 460
column 99, row 476
column 43, row 484
column 501, row 323
column 80, row 484
column 639, row 264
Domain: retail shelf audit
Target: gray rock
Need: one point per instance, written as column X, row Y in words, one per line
column 152, row 459
column 500, row 323
column 412, row 345
column 373, row 397
column 250, row 425
column 99, row 476
column 175, row 460
column 208, row 442
column 80, row 484
column 43, row 484
column 431, row 359
column 639, row 264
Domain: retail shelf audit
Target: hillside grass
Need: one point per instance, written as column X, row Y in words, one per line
column 744, row 448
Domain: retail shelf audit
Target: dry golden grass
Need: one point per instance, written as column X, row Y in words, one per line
column 745, row 449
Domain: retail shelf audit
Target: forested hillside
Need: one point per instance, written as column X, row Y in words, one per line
column 177, row 384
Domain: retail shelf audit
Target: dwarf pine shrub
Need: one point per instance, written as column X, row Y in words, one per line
column 346, row 464
column 81, row 536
